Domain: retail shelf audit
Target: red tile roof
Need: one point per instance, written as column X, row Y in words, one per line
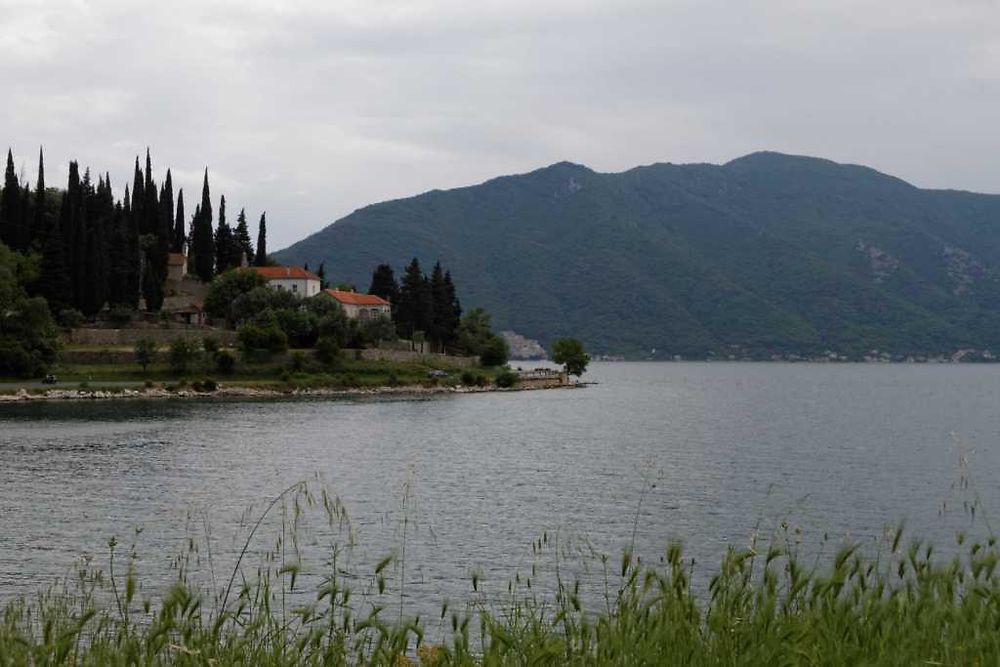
column 355, row 299
column 287, row 272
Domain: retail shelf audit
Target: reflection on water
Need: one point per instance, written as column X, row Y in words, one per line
column 705, row 453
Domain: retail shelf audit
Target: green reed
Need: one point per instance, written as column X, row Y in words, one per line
column 896, row 604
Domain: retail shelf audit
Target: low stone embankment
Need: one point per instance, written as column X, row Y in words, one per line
column 256, row 392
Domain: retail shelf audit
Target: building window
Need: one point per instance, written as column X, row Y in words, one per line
column 295, row 288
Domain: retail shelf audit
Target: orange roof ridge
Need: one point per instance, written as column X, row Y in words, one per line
column 356, row 299
column 287, row 272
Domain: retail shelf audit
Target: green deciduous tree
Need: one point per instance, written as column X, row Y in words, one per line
column 28, row 336
column 570, row 353
column 226, row 288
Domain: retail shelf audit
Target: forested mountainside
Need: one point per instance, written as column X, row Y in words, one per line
column 767, row 254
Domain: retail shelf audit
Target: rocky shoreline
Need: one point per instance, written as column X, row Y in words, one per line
column 255, row 392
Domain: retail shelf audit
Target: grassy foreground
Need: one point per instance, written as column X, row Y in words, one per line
column 898, row 607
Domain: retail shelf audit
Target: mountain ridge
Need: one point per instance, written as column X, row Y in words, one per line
column 765, row 254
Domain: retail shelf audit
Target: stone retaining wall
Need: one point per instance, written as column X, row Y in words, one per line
column 417, row 357
column 82, row 357
column 159, row 336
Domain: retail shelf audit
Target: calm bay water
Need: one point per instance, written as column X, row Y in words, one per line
column 703, row 453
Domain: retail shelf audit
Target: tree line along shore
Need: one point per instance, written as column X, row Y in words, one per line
column 78, row 259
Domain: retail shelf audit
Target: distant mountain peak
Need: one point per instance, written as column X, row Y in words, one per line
column 767, row 255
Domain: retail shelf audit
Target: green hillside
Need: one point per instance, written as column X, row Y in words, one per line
column 768, row 254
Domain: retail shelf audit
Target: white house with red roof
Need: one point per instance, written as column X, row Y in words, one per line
column 292, row 279
column 360, row 306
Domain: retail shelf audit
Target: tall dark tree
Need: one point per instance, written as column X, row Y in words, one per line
column 455, row 307
column 54, row 282
column 413, row 312
column 121, row 263
column 73, row 225
column 10, row 205
column 165, row 231
column 242, row 237
column 90, row 271
column 25, row 216
column 152, row 288
column 139, row 199
column 179, row 240
column 40, row 223
column 321, row 274
column 445, row 312
column 203, row 241
column 223, row 241
column 384, row 285
column 260, row 257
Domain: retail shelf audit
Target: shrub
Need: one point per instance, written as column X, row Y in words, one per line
column 506, row 379
column 468, row 378
column 70, row 318
column 297, row 361
column 327, row 350
column 121, row 316
column 225, row 362
column 285, row 376
column 261, row 339
column 392, row 380
column 15, row 360
column 206, row 385
column 148, row 384
column 210, row 344
column 182, row 353
column 494, row 352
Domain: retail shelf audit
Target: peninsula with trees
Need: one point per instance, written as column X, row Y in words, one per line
column 131, row 293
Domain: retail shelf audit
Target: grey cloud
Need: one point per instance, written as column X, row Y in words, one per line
column 309, row 110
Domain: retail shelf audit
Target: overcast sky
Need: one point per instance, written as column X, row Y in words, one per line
column 311, row 110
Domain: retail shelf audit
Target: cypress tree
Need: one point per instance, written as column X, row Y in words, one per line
column 321, row 274
column 411, row 312
column 119, row 261
column 54, row 282
column 384, row 285
column 454, row 310
column 223, row 240
column 138, row 199
column 440, row 315
column 10, row 200
column 134, row 260
column 166, row 228
column 76, row 238
column 88, row 267
column 203, row 241
column 152, row 288
column 180, row 234
column 242, row 238
column 40, row 224
column 260, row 258
column 24, row 218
